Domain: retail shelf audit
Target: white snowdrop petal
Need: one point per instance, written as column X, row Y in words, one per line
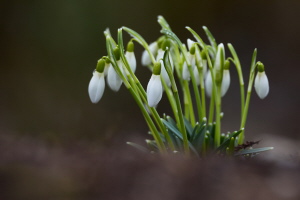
column 113, row 79
column 107, row 66
column 185, row 72
column 160, row 54
column 146, row 60
column 208, row 84
column 164, row 74
column 96, row 87
column 261, row 85
column 131, row 60
column 196, row 74
column 225, row 82
column 154, row 90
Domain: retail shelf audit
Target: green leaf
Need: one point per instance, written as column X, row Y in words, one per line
column 137, row 146
column 179, row 135
column 251, row 151
column 197, row 37
column 199, row 137
column 163, row 22
column 211, row 38
column 188, row 127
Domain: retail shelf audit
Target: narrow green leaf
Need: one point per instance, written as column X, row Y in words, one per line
column 197, row 37
column 211, row 38
column 199, row 137
column 137, row 146
column 251, row 151
column 179, row 135
column 188, row 127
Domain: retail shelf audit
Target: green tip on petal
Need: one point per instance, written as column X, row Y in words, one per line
column 260, row 66
column 130, row 46
column 100, row 65
column 117, row 53
column 157, row 68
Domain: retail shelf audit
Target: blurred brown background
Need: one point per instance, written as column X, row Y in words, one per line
column 50, row 48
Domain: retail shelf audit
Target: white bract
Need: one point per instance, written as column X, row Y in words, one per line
column 217, row 65
column 113, row 79
column 146, row 60
column 96, row 87
column 261, row 84
column 225, row 82
column 131, row 60
column 154, row 90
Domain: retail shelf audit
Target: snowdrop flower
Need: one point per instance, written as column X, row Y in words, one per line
column 153, row 47
column 113, row 79
column 130, row 56
column 97, row 83
column 226, row 78
column 154, row 87
column 261, row 83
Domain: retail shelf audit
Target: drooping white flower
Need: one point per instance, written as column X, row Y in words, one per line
column 96, row 87
column 208, row 84
column 261, row 84
column 146, row 60
column 113, row 79
column 225, row 82
column 154, row 90
column 131, row 60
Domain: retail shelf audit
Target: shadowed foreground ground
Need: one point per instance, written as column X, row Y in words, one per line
column 34, row 169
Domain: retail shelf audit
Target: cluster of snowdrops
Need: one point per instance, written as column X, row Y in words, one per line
column 194, row 77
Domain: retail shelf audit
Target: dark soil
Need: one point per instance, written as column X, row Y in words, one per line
column 34, row 169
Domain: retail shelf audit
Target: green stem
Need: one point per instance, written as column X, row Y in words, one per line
column 249, row 91
column 189, row 103
column 177, row 100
